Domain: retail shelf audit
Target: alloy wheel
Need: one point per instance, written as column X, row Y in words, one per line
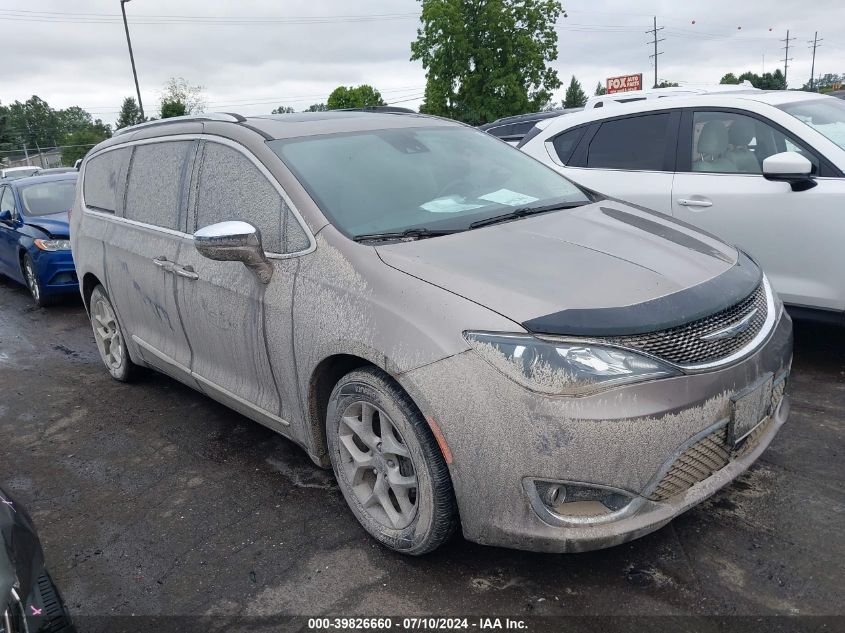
column 31, row 279
column 107, row 333
column 377, row 464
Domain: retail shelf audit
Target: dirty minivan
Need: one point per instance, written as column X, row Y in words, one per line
column 464, row 336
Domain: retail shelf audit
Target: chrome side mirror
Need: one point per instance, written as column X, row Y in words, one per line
column 235, row 241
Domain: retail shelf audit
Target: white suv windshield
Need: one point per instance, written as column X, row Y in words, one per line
column 826, row 116
column 439, row 179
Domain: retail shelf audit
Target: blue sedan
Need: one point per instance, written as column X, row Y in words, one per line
column 34, row 245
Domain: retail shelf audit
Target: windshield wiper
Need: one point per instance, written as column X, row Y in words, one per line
column 521, row 212
column 410, row 234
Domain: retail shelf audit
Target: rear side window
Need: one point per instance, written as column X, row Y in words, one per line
column 103, row 173
column 156, row 177
column 565, row 143
column 231, row 187
column 636, row 143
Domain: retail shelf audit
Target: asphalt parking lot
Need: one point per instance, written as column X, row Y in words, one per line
column 152, row 499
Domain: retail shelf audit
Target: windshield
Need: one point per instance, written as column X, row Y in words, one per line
column 438, row 178
column 826, row 116
column 46, row 198
column 20, row 173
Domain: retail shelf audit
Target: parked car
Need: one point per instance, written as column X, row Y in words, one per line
column 29, row 599
column 762, row 170
column 512, row 129
column 464, row 335
column 34, row 244
column 12, row 173
column 55, row 170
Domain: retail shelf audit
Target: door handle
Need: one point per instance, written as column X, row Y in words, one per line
column 163, row 262
column 187, row 272
column 685, row 202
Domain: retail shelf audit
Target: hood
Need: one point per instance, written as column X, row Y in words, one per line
column 21, row 558
column 55, row 224
column 581, row 271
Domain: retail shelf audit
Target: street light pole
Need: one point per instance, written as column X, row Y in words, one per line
column 131, row 56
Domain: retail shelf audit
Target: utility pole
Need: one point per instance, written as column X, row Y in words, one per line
column 786, row 58
column 815, row 45
column 654, row 32
column 131, row 56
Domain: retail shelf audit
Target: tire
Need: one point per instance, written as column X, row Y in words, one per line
column 388, row 464
column 109, row 336
column 30, row 276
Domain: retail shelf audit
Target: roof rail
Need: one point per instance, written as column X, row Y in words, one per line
column 208, row 116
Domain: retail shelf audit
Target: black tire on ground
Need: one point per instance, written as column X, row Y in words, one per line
column 30, row 276
column 399, row 446
column 109, row 336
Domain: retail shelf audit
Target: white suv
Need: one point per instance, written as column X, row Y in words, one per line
column 762, row 170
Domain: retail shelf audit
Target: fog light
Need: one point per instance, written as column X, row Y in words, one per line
column 578, row 503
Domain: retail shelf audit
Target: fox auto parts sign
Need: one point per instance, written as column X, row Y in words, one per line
column 624, row 83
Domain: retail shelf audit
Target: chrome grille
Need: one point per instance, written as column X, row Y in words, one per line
column 683, row 344
column 710, row 454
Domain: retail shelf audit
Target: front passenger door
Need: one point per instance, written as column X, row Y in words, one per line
column 796, row 236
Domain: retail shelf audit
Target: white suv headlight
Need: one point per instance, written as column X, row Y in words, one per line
column 565, row 368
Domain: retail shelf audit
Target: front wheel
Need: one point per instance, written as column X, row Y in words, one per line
column 388, row 465
column 109, row 336
column 33, row 283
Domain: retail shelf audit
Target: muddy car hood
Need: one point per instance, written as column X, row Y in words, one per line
column 599, row 269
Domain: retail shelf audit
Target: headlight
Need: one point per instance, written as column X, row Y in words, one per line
column 53, row 245
column 565, row 368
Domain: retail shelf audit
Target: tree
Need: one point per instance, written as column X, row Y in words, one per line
column 76, row 144
column 130, row 113
column 768, row 81
column 600, row 90
column 363, row 96
column 283, row 110
column 667, row 84
column 316, row 107
column 575, row 96
column 178, row 98
column 485, row 59
column 34, row 122
column 729, row 78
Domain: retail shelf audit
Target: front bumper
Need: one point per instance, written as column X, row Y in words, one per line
column 55, row 270
column 627, row 439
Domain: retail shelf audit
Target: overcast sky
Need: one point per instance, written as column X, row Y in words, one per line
column 253, row 55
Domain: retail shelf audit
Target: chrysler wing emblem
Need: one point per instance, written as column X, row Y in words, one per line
column 734, row 329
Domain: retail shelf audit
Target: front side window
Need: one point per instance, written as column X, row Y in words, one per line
column 636, row 143
column 733, row 143
column 7, row 200
column 156, row 177
column 438, row 178
column 825, row 115
column 231, row 187
column 47, row 198
column 101, row 185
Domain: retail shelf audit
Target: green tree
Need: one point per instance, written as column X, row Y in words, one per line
column 485, row 59
column 130, row 113
column 363, row 96
column 78, row 143
column 600, row 90
column 575, row 97
column 34, row 122
column 178, row 98
column 283, row 110
column 729, row 78
column 316, row 107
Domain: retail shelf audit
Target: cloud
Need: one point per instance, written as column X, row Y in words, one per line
column 251, row 57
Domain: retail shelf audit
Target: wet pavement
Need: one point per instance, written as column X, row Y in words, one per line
column 153, row 499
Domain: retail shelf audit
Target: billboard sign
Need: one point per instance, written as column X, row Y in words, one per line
column 624, row 83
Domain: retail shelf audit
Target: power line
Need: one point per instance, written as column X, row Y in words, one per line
column 654, row 32
column 786, row 58
column 815, row 45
